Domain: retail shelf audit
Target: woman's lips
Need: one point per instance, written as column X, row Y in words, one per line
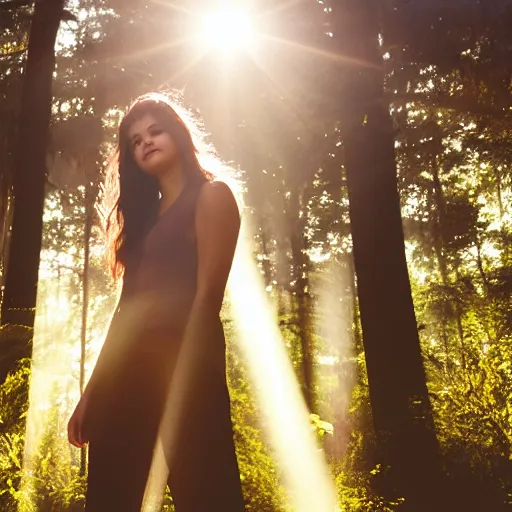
column 149, row 153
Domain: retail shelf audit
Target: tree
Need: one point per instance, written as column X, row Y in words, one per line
column 451, row 101
column 20, row 292
column 407, row 445
column 15, row 25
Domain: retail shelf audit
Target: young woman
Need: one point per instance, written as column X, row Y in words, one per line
column 174, row 230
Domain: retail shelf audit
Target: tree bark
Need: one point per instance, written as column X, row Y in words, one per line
column 5, row 195
column 439, row 222
column 5, row 226
column 301, row 272
column 407, row 446
column 18, row 307
column 88, row 220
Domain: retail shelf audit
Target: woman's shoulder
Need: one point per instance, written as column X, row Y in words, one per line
column 216, row 194
column 216, row 186
column 216, row 191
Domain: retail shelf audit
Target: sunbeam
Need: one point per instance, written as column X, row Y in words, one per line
column 342, row 59
column 305, row 472
column 336, row 361
column 146, row 52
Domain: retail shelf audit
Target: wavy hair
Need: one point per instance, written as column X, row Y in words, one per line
column 131, row 196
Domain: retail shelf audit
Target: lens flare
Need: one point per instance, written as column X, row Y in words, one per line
column 226, row 30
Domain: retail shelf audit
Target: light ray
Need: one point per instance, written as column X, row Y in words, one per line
column 306, row 476
column 149, row 51
column 282, row 93
column 180, row 72
column 340, row 58
column 305, row 471
column 173, row 6
column 49, row 373
column 334, row 314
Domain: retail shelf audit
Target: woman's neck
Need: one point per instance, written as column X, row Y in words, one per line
column 171, row 184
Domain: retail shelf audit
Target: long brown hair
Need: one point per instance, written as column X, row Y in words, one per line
column 132, row 194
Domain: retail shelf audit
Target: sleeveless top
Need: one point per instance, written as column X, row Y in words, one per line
column 162, row 285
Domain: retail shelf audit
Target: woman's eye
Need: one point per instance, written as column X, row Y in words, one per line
column 136, row 142
column 156, row 131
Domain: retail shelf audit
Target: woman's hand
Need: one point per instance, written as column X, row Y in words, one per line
column 76, row 435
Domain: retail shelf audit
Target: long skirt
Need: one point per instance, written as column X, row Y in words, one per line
column 123, row 428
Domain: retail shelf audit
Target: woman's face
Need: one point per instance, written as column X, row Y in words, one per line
column 153, row 148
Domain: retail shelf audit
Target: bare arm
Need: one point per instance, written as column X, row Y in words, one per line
column 217, row 228
column 76, row 435
column 100, row 365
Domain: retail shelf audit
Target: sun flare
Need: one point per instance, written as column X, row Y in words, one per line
column 226, row 30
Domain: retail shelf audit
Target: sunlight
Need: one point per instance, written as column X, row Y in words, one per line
column 303, row 466
column 54, row 386
column 226, row 30
column 50, row 377
column 336, row 368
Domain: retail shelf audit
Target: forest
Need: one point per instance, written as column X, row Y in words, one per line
column 368, row 315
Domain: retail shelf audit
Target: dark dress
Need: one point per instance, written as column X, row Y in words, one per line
column 125, row 408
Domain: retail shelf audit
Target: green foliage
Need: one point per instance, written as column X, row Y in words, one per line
column 454, row 175
column 53, row 482
column 320, row 427
column 13, row 411
column 354, row 494
column 259, row 474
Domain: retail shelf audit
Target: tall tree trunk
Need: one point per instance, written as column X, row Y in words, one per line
column 301, row 271
column 407, row 445
column 439, row 221
column 18, row 306
column 6, row 198
column 89, row 215
column 356, row 319
column 438, row 229
column 266, row 266
column 5, row 227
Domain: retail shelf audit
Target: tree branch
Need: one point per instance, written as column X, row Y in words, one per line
column 450, row 103
column 15, row 4
column 13, row 53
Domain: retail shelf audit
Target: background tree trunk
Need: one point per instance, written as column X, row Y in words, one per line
column 19, row 301
column 88, row 222
column 5, row 191
column 301, row 269
column 407, row 445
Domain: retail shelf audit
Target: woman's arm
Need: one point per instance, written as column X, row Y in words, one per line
column 108, row 351
column 217, row 227
column 101, row 363
column 76, row 435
